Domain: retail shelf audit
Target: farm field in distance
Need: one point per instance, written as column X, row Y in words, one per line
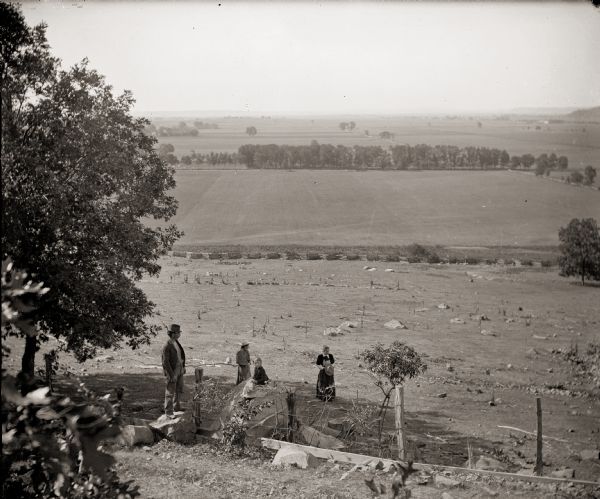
column 580, row 142
column 375, row 208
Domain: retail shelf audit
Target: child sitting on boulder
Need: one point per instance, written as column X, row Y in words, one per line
column 260, row 375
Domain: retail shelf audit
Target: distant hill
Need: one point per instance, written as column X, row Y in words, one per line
column 588, row 115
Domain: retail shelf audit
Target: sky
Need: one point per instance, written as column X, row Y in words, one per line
column 334, row 57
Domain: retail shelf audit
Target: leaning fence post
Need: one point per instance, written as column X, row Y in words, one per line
column 48, row 359
column 539, row 461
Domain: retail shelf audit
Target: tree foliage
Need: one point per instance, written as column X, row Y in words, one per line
column 49, row 443
column 589, row 174
column 580, row 248
column 251, row 130
column 393, row 364
column 80, row 180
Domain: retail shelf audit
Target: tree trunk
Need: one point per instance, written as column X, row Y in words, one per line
column 28, row 360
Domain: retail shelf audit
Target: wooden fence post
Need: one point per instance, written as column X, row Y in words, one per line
column 49, row 368
column 399, row 406
column 291, row 425
column 539, row 461
column 197, row 403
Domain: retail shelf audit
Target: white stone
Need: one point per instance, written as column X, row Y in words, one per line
column 132, row 435
column 293, row 457
column 445, row 481
column 181, row 429
column 394, row 324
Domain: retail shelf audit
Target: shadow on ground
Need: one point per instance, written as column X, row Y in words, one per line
column 429, row 441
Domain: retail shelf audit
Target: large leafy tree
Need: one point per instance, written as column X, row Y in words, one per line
column 580, row 248
column 84, row 195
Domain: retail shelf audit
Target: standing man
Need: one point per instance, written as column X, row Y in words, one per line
column 173, row 361
column 243, row 361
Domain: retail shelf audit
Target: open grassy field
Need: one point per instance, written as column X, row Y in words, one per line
column 579, row 142
column 350, row 208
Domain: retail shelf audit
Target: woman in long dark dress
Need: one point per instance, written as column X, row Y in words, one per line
column 325, row 381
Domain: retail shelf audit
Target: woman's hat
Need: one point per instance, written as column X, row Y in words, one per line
column 244, row 344
column 174, row 328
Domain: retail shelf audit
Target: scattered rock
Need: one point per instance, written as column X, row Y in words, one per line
column 445, row 481
column 390, row 270
column 449, row 368
column 293, row 457
column 422, row 309
column 228, row 360
column 132, row 435
column 485, row 332
column 457, row 320
column 526, row 472
column 592, row 454
column 509, row 320
column 563, row 473
column 532, row 352
column 332, row 331
column 348, row 326
column 394, row 324
column 181, row 429
column 442, row 395
column 538, row 337
column 443, row 306
column 490, row 492
column 105, row 358
column 509, row 366
column 489, row 463
column 481, row 317
column 445, row 495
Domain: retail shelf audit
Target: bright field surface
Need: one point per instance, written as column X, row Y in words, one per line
column 580, row 142
column 351, row 208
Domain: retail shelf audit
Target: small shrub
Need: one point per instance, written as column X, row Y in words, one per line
column 472, row 260
column 180, row 254
column 392, row 258
column 254, row 256
column 234, row 255
column 547, row 263
column 418, row 251
column 352, row 256
column 313, row 256
column 509, row 261
column 527, row 263
column 292, row 255
column 372, row 257
column 273, row 256
column 196, row 256
column 215, row 256
column 333, row 256
column 413, row 259
column 491, row 261
column 453, row 260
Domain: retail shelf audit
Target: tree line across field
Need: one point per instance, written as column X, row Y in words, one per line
column 398, row 157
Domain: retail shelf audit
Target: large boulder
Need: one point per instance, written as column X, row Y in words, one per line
column 490, row 464
column 266, row 411
column 181, row 428
column 315, row 438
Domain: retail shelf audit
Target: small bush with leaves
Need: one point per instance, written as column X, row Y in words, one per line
column 548, row 263
column 180, row 254
column 254, row 256
column 196, row 256
column 372, row 257
column 215, row 256
column 313, row 256
column 359, row 419
column 352, row 256
column 453, row 260
column 234, row 255
column 472, row 260
column 273, row 256
column 433, row 258
column 392, row 258
column 292, row 255
column 333, row 256
column 526, row 263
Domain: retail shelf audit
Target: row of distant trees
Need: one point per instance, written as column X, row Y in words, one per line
column 181, row 130
column 586, row 178
column 166, row 152
column 398, row 157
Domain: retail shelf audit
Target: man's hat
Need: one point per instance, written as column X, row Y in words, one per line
column 244, row 344
column 174, row 328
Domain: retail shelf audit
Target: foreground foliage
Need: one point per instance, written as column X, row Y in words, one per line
column 50, row 444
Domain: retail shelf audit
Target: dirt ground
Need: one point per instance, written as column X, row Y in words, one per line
column 283, row 307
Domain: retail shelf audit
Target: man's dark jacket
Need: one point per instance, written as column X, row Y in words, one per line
column 170, row 360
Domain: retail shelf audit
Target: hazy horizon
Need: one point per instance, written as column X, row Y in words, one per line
column 359, row 58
